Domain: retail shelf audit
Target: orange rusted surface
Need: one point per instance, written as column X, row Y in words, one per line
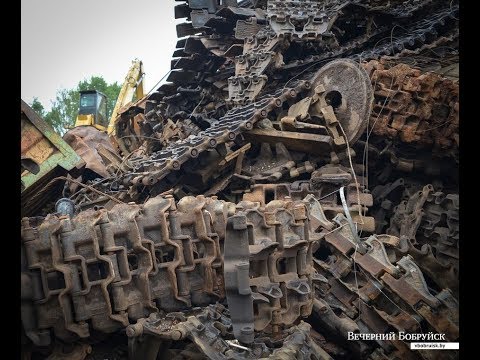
column 34, row 144
column 41, row 145
column 413, row 106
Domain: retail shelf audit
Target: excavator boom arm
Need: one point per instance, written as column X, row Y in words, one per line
column 133, row 84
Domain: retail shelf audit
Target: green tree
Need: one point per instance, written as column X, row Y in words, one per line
column 65, row 106
column 37, row 106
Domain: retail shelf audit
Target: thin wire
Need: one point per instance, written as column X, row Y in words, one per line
column 383, row 106
column 354, row 175
column 391, row 37
column 333, row 192
column 382, row 39
column 119, row 170
column 139, row 136
column 338, row 228
column 90, row 188
column 301, row 72
column 195, row 108
column 451, row 10
column 159, row 81
column 76, row 193
column 76, row 182
column 435, row 127
column 393, row 302
column 356, row 280
column 372, row 282
column 365, row 149
column 369, row 133
column 415, row 59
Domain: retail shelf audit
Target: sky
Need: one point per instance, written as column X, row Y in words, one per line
column 66, row 41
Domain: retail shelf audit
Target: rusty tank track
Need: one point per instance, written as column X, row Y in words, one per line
column 433, row 122
column 414, row 107
column 148, row 172
column 427, row 225
column 424, row 31
column 421, row 35
column 113, row 267
column 107, row 270
column 210, row 329
column 149, row 169
column 178, row 152
column 366, row 288
column 433, row 25
column 399, row 8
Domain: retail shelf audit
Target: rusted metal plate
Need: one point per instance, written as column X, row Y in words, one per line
column 370, row 264
column 440, row 323
column 344, row 245
column 403, row 289
column 40, row 143
column 86, row 141
column 313, row 143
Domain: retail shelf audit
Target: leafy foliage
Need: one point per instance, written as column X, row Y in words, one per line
column 65, row 106
column 38, row 107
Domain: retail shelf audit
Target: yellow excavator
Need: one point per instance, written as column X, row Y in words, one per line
column 92, row 110
column 93, row 136
column 93, row 103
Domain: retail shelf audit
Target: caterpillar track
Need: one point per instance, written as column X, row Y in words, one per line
column 292, row 184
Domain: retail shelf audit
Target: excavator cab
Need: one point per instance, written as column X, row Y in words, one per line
column 93, row 110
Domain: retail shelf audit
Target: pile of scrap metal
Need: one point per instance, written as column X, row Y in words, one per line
column 292, row 185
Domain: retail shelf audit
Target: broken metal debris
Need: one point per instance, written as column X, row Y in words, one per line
column 44, row 155
column 293, row 181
